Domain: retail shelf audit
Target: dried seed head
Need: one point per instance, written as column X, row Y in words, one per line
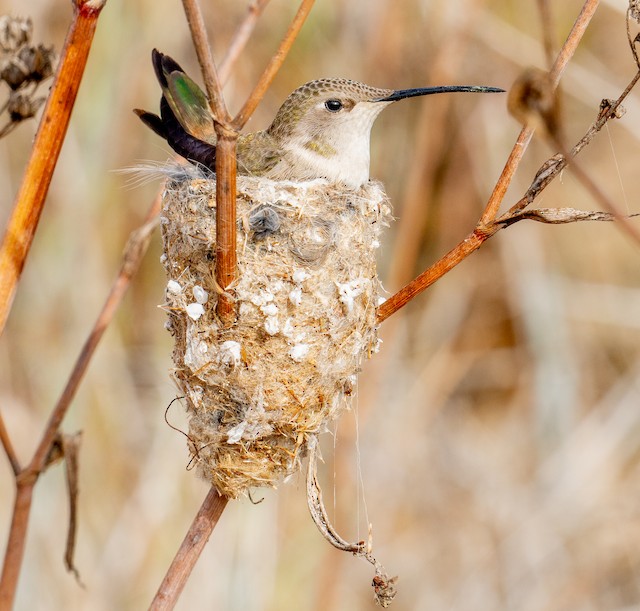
column 14, row 32
column 21, row 107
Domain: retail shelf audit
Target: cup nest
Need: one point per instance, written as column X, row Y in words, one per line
column 306, row 295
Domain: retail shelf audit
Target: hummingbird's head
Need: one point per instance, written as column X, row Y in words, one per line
column 325, row 126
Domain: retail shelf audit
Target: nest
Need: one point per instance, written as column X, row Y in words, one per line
column 259, row 392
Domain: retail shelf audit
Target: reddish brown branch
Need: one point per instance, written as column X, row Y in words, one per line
column 30, row 199
column 573, row 40
column 470, row 244
column 487, row 226
column 214, row 504
column 189, row 552
column 226, row 260
column 274, row 65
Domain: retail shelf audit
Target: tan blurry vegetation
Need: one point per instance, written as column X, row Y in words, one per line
column 498, row 428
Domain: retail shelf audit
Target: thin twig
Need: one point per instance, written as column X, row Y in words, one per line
column 240, row 38
column 207, row 65
column 573, row 40
column 632, row 39
column 134, row 251
column 600, row 196
column 274, row 65
column 562, row 216
column 470, row 244
column 15, row 544
column 553, row 166
column 189, row 552
column 510, row 167
column 30, row 199
column 27, row 478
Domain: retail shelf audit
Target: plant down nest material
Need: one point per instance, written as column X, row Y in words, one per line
column 258, row 392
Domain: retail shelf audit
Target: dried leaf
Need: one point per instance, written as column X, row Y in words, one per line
column 558, row 216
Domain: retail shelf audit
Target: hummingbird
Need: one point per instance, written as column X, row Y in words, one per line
column 322, row 130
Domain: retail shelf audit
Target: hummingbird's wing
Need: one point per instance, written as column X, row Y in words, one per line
column 190, row 106
column 185, row 121
column 187, row 101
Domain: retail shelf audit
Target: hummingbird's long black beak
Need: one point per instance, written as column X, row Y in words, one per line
column 401, row 94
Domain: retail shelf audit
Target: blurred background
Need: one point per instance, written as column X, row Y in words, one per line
column 494, row 443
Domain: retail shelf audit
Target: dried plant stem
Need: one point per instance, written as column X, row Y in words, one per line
column 207, row 65
column 189, row 552
column 227, row 133
column 30, row 199
column 384, row 586
column 553, row 166
column 487, row 226
column 15, row 544
column 240, row 38
column 26, row 478
column 573, row 40
column 470, row 244
column 225, row 164
column 132, row 257
column 274, row 65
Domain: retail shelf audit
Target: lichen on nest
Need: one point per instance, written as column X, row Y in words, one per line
column 306, row 296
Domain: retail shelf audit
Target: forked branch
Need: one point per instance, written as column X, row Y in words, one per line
column 488, row 225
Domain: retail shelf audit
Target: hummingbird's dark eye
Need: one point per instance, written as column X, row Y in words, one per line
column 333, row 105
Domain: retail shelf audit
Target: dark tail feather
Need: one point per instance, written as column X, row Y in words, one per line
column 167, row 125
column 154, row 122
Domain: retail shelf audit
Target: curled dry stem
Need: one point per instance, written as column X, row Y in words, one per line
column 550, row 169
column 384, row 586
